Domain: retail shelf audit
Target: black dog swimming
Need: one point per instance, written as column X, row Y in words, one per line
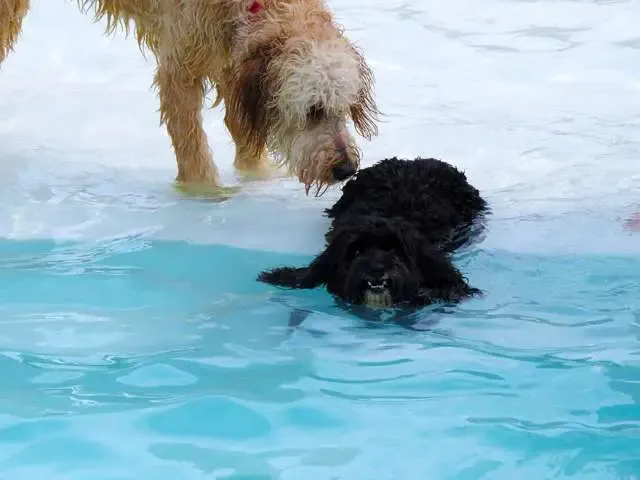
column 392, row 235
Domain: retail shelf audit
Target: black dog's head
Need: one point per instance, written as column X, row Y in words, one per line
column 380, row 263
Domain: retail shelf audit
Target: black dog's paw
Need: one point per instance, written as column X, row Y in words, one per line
column 289, row 277
column 277, row 276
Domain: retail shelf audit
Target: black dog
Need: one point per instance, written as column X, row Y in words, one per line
column 391, row 237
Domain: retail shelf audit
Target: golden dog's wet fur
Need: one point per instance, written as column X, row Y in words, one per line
column 288, row 77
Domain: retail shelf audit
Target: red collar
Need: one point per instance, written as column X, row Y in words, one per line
column 256, row 6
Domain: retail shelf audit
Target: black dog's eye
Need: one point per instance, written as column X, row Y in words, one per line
column 354, row 250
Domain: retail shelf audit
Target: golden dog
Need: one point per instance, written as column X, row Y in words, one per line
column 288, row 77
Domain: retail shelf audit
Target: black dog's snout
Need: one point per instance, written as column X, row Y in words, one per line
column 343, row 170
column 377, row 277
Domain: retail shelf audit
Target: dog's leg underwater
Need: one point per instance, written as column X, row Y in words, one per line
column 12, row 12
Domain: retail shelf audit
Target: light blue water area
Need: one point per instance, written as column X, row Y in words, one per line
column 131, row 358
column 135, row 342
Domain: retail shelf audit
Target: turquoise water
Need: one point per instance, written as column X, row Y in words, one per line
column 134, row 358
column 135, row 343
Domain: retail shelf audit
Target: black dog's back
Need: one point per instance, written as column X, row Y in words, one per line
column 432, row 194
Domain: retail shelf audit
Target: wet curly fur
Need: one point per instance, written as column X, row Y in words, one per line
column 392, row 235
column 287, row 75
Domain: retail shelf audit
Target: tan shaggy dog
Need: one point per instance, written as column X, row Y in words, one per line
column 289, row 78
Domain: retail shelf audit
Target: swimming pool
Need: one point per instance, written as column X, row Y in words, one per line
column 135, row 343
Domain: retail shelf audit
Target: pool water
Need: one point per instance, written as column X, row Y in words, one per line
column 133, row 358
column 135, row 342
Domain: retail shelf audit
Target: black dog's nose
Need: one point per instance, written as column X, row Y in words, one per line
column 343, row 170
column 377, row 279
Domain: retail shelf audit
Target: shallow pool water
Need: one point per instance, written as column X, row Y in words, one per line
column 136, row 344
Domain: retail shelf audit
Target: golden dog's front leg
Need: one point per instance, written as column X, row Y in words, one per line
column 248, row 161
column 181, row 98
column 252, row 165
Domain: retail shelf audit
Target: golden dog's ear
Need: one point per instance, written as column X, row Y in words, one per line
column 248, row 101
column 364, row 112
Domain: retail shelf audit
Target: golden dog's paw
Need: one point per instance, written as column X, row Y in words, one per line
column 206, row 191
column 265, row 172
